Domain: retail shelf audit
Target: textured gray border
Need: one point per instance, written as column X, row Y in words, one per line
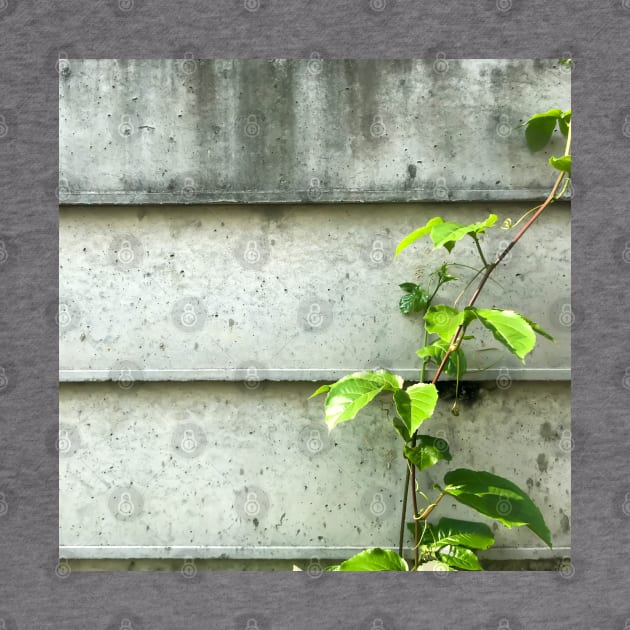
column 38, row 592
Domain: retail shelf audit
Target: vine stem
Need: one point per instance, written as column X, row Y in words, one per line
column 454, row 345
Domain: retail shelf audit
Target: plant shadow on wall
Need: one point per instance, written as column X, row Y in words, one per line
column 451, row 544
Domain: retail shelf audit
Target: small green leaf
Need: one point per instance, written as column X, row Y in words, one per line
column 508, row 327
column 497, row 498
column 540, row 127
column 352, row 392
column 443, row 320
column 459, row 557
column 562, row 163
column 403, row 408
column 423, row 398
column 455, row 366
column 375, row 560
column 451, row 531
column 554, row 113
column 320, row 390
column 401, row 427
column 416, row 234
column 414, row 300
column 446, row 234
column 428, row 451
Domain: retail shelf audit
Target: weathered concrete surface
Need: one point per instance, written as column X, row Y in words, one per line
column 188, row 131
column 219, row 470
column 288, row 293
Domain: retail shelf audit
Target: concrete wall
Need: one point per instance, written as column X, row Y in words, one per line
column 188, row 345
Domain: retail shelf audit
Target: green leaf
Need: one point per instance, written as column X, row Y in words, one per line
column 508, row 327
column 562, row 163
column 563, row 123
column 538, row 329
column 401, row 426
column 446, row 234
column 540, row 127
column 351, row 393
column 375, row 560
column 414, row 300
column 497, row 498
column 423, row 398
column 416, row 234
column 443, row 275
column 459, row 557
column 443, row 320
column 451, row 531
column 320, row 390
column 428, row 451
column 403, row 408
column 455, row 366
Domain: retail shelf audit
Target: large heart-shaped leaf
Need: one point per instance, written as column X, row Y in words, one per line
column 459, row 557
column 451, row 531
column 497, row 498
column 540, row 127
column 374, row 560
column 508, row 327
column 351, row 393
column 416, row 404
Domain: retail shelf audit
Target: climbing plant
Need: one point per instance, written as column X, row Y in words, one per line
column 452, row 544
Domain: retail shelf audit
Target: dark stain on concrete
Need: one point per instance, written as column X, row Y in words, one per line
column 542, row 462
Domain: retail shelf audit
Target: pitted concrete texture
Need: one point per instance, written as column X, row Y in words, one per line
column 219, row 470
column 291, row 292
column 190, row 131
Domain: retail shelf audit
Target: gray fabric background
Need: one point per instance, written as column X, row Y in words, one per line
column 587, row 594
